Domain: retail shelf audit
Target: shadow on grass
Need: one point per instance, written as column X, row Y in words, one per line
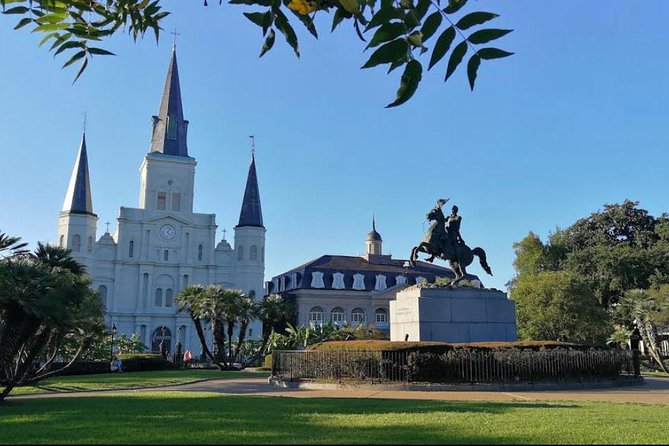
column 208, row 418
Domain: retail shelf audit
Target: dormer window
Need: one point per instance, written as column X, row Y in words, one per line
column 400, row 280
column 317, row 280
column 380, row 282
column 358, row 282
column 338, row 281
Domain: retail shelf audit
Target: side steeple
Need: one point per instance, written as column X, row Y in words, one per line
column 251, row 213
column 169, row 127
column 78, row 197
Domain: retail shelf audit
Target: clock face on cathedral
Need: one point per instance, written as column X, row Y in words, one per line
column 167, row 232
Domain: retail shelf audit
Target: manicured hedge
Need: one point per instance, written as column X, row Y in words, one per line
column 83, row 368
column 142, row 362
column 441, row 347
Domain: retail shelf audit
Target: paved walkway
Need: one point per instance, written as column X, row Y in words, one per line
column 652, row 391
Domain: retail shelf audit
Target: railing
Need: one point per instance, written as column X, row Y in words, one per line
column 453, row 366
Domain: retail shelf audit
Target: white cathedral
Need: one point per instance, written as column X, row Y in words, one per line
column 162, row 246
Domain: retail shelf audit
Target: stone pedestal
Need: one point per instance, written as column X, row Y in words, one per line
column 452, row 315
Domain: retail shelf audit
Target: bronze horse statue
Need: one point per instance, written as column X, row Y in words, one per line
column 438, row 243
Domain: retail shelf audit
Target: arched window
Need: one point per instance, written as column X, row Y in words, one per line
column 161, row 340
column 199, row 253
column 166, row 255
column 240, row 252
column 102, row 289
column 169, row 294
column 159, row 297
column 316, row 316
column 76, row 243
column 381, row 316
column 90, row 244
column 253, row 253
column 185, row 280
column 338, row 315
column 62, row 241
column 358, row 316
column 131, row 248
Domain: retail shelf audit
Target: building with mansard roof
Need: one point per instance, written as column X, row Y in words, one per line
column 352, row 289
column 162, row 245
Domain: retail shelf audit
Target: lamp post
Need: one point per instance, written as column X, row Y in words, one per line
column 111, row 348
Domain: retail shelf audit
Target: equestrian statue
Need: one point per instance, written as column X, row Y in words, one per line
column 443, row 240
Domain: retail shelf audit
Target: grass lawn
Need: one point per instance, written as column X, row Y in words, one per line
column 205, row 418
column 132, row 380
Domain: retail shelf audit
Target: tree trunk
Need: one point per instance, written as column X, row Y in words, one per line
column 648, row 333
column 231, row 329
column 203, row 341
column 240, row 340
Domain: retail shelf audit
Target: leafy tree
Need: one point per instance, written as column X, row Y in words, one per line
column 558, row 306
column 45, row 302
column 620, row 248
column 400, row 30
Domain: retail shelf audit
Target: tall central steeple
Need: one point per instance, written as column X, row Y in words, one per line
column 251, row 213
column 169, row 127
column 78, row 196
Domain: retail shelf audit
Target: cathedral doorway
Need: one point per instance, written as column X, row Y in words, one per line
column 161, row 335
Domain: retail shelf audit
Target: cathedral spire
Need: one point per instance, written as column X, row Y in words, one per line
column 78, row 197
column 251, row 213
column 170, row 127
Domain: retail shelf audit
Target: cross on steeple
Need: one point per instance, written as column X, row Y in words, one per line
column 224, row 231
column 107, row 223
column 175, row 34
column 253, row 145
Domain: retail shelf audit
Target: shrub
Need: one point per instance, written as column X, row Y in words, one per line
column 141, row 362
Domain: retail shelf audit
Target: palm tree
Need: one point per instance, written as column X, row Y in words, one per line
column 11, row 244
column 231, row 313
column 645, row 308
column 247, row 311
column 274, row 311
column 195, row 299
column 57, row 257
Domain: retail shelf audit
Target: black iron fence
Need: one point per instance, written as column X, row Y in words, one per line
column 454, row 366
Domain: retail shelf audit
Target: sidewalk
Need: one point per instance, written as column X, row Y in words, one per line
column 653, row 391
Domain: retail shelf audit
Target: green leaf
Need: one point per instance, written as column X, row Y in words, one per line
column 486, row 35
column 67, row 46
column 475, row 18
column 100, row 51
column 339, row 15
column 251, row 2
column 492, row 53
column 256, row 17
column 83, row 66
column 431, row 25
column 385, row 15
column 409, row 83
column 442, row 46
column 46, row 38
column 269, row 43
column 282, row 23
column 411, row 20
column 397, row 63
column 454, row 6
column 50, row 27
column 472, row 69
column 387, row 32
column 74, row 58
column 422, row 7
column 23, row 22
column 456, row 57
column 17, row 10
column 388, row 53
column 306, row 21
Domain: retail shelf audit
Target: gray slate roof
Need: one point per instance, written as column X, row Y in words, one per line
column 169, row 127
column 251, row 213
column 78, row 197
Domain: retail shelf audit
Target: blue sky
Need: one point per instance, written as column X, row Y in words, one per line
column 575, row 119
